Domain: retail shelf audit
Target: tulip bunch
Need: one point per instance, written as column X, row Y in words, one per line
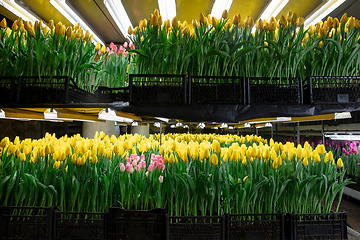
column 350, row 157
column 232, row 47
column 199, row 174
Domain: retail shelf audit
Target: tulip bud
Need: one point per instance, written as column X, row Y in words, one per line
column 3, row 23
column 36, row 27
column 330, row 21
column 224, row 14
column 259, row 24
column 46, row 30
column 250, row 22
column 68, row 32
column 130, row 31
column 20, row 22
column 351, row 22
column 98, row 47
column 194, row 22
column 202, row 18
column 27, row 26
column 288, row 16
column 235, row 20
column 103, row 49
column 156, row 13
column 340, row 163
column 41, row 25
column 160, row 22
column 344, row 19
column 174, row 22
column 87, row 35
column 76, row 26
column 283, row 21
column 51, row 24
column 136, row 29
column 300, row 21
column 336, row 23
column 214, row 21
column 293, row 18
column 357, row 23
column 154, row 20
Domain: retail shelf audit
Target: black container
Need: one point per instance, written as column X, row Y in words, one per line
column 136, row 224
column 80, row 225
column 332, row 89
column 195, row 228
column 57, row 89
column 262, row 90
column 255, row 226
column 157, row 88
column 26, row 222
column 216, row 89
column 8, row 89
column 110, row 95
column 316, row 226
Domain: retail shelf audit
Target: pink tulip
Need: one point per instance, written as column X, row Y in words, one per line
column 113, row 46
column 347, row 153
column 161, row 179
column 151, row 167
column 143, row 164
column 142, row 157
column 152, row 157
column 134, row 163
column 107, row 49
column 129, row 168
column 125, row 44
column 343, row 150
column 147, row 174
column 161, row 167
column 132, row 46
column 122, row 167
column 125, row 54
column 138, row 167
column 359, row 164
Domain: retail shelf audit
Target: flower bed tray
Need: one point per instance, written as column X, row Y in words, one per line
column 332, row 89
column 195, row 228
column 255, row 226
column 8, row 89
column 216, row 89
column 80, row 225
column 136, row 224
column 316, row 226
column 57, row 89
column 110, row 95
column 26, row 222
column 157, row 88
column 274, row 90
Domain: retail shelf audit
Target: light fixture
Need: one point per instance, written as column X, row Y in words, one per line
column 216, row 128
column 201, row 125
column 342, row 115
column 231, row 127
column 110, row 115
column 268, row 125
column 70, row 15
column 135, row 124
column 167, row 9
column 163, row 119
column 118, row 13
column 273, row 9
column 2, row 113
column 65, row 115
column 179, row 124
column 346, row 137
column 16, row 9
column 326, row 8
column 219, row 7
column 157, row 124
column 186, row 126
column 172, row 126
column 247, row 125
column 223, row 125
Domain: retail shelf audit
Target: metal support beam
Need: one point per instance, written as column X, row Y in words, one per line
column 322, row 132
column 160, row 132
column 298, row 132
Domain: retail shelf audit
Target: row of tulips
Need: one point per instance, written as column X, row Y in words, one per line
column 199, row 174
column 241, row 47
column 34, row 49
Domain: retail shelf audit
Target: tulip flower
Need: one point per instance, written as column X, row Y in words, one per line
column 344, row 19
column 161, row 179
column 122, row 167
column 224, row 14
column 3, row 23
column 340, row 163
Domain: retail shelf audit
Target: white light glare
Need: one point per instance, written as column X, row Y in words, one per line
column 268, row 124
column 344, row 137
column 231, row 127
column 70, row 15
column 110, row 115
column 219, row 6
column 16, row 9
column 135, row 124
column 201, row 125
column 163, row 119
column 224, row 125
column 342, row 115
column 179, row 124
column 172, row 126
column 167, row 9
column 247, row 125
column 186, row 126
column 325, row 10
column 2, row 113
column 157, row 124
column 273, row 9
column 118, row 13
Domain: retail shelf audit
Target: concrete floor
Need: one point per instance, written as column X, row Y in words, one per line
column 352, row 207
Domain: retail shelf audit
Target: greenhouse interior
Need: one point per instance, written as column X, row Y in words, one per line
column 179, row 119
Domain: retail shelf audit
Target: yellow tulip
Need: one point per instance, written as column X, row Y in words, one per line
column 174, row 22
column 214, row 159
column 216, row 146
column 103, row 49
column 224, row 14
column 300, row 21
column 283, row 21
column 68, row 32
column 316, row 158
column 340, row 163
column 305, row 161
column 344, row 19
column 202, row 18
column 351, row 22
column 259, row 24
column 357, row 23
column 235, row 20
column 76, row 26
column 245, row 178
column 130, row 31
column 87, row 35
column 3, row 23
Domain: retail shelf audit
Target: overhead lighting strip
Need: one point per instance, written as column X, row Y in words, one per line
column 70, row 15
column 16, row 9
column 322, row 12
column 118, row 13
column 219, row 7
column 273, row 9
column 167, row 9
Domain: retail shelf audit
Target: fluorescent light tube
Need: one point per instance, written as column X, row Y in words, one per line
column 325, row 10
column 342, row 115
column 167, row 9
column 273, row 9
column 16, row 9
column 118, row 13
column 110, row 115
column 219, row 7
column 70, row 15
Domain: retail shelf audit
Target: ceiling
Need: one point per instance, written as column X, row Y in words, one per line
column 95, row 14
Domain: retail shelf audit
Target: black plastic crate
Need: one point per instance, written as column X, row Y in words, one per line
column 136, row 224
column 332, row 89
column 26, row 222
column 216, row 89
column 316, row 226
column 157, row 88
column 195, row 228
column 80, row 225
column 57, row 89
column 274, row 90
column 110, row 95
column 255, row 226
column 8, row 89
